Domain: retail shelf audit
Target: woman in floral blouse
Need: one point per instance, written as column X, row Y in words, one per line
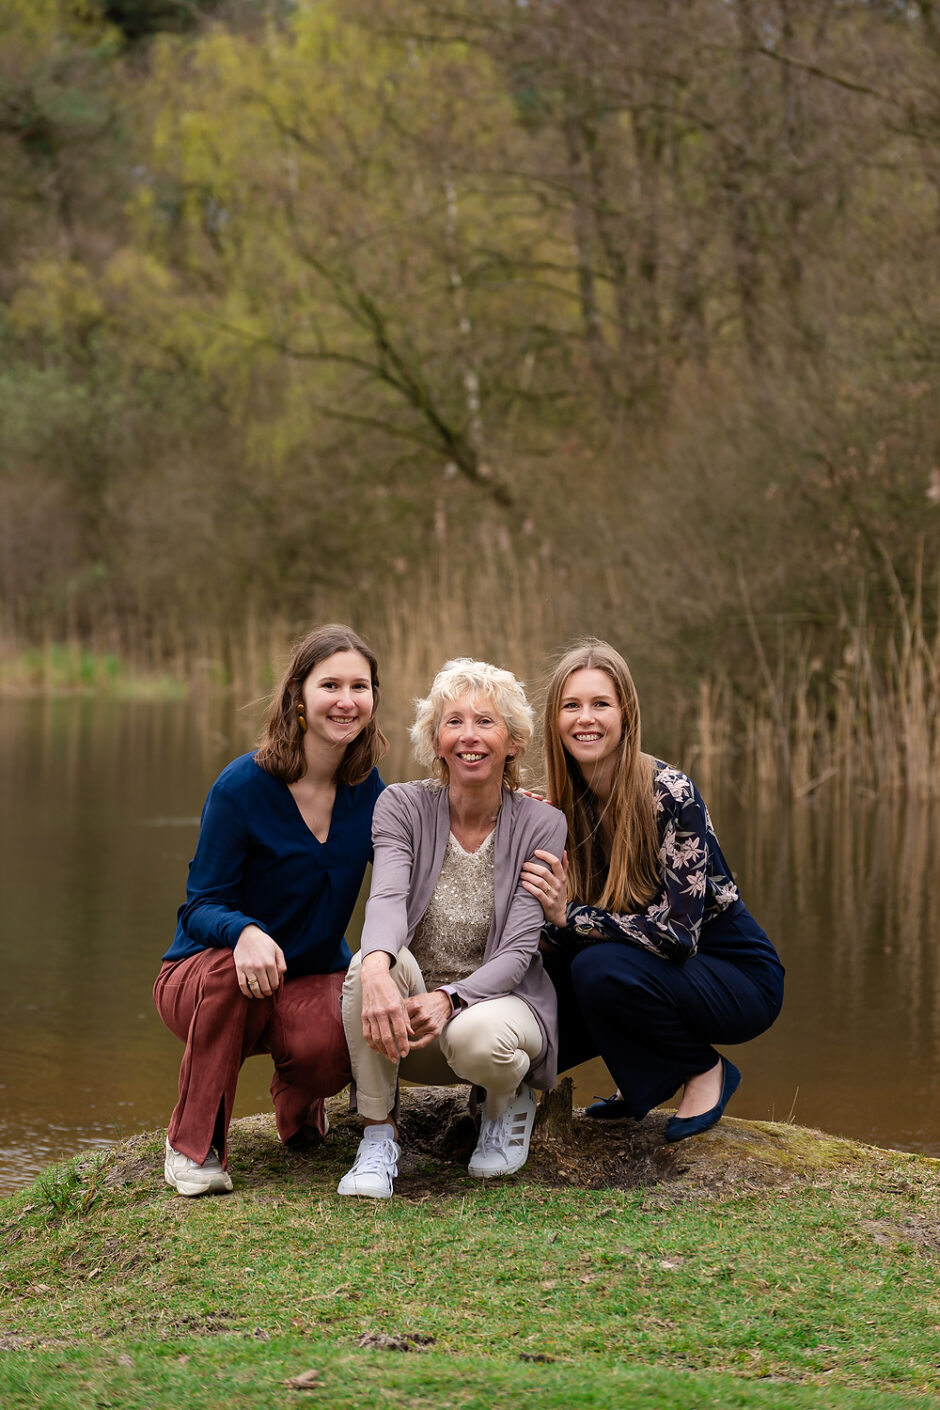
column 655, row 957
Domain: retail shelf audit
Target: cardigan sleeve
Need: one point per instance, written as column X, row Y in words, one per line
column 393, row 846
column 210, row 915
column 517, row 946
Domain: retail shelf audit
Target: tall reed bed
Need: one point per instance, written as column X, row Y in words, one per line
column 495, row 608
column 870, row 724
column 788, row 722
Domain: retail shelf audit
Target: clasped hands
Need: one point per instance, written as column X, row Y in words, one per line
column 391, row 1024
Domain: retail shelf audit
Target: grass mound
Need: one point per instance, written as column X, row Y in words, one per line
column 759, row 1265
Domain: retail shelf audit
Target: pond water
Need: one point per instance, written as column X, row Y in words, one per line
column 100, row 811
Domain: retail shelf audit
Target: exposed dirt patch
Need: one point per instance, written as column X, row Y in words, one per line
column 12, row 1341
column 918, row 1232
column 133, row 1160
column 401, row 1341
column 213, row 1324
column 438, row 1133
column 570, row 1149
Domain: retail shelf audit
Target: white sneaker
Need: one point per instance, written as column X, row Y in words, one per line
column 375, row 1166
column 188, row 1178
column 503, row 1144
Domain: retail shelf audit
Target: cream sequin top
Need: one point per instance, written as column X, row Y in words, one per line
column 452, row 934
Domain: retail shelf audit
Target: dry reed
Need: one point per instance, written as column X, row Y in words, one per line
column 870, row 723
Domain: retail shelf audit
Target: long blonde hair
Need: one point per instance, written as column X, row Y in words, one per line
column 633, row 870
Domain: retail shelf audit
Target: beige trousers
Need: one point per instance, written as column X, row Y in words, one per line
column 491, row 1044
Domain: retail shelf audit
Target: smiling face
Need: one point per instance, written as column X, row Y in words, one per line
column 473, row 742
column 590, row 720
column 338, row 701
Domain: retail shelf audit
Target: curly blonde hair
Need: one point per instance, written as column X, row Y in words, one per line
column 479, row 680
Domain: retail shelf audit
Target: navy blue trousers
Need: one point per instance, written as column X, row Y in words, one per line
column 654, row 1021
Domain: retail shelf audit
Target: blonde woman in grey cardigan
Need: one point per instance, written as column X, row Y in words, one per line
column 449, row 985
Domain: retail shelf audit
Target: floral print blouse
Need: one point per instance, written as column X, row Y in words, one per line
column 696, row 884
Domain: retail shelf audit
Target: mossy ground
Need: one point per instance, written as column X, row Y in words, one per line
column 759, row 1265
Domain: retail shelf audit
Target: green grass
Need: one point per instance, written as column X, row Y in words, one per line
column 70, row 668
column 820, row 1291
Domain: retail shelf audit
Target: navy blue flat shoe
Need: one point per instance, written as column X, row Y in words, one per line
column 611, row 1108
column 678, row 1127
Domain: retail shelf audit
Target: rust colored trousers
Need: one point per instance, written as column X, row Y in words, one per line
column 301, row 1026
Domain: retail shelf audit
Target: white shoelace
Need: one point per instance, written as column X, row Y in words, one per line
column 376, row 1158
column 494, row 1133
column 504, row 1131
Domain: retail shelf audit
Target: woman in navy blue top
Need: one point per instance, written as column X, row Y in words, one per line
column 656, row 958
column 259, row 956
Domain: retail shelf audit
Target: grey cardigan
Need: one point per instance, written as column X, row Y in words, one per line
column 410, row 828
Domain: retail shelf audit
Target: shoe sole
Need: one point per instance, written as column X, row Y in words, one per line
column 495, row 1174
column 364, row 1194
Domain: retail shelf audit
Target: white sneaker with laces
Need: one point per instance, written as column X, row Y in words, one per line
column 503, row 1143
column 375, row 1166
column 187, row 1178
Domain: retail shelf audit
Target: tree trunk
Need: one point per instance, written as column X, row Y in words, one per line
column 553, row 1118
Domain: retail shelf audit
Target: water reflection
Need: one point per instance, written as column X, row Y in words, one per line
column 101, row 802
column 853, row 899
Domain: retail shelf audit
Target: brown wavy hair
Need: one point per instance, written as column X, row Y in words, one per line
column 633, row 870
column 281, row 751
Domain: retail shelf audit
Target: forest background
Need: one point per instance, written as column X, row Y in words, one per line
column 483, row 324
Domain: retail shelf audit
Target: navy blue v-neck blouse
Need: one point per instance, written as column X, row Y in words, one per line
column 258, row 863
